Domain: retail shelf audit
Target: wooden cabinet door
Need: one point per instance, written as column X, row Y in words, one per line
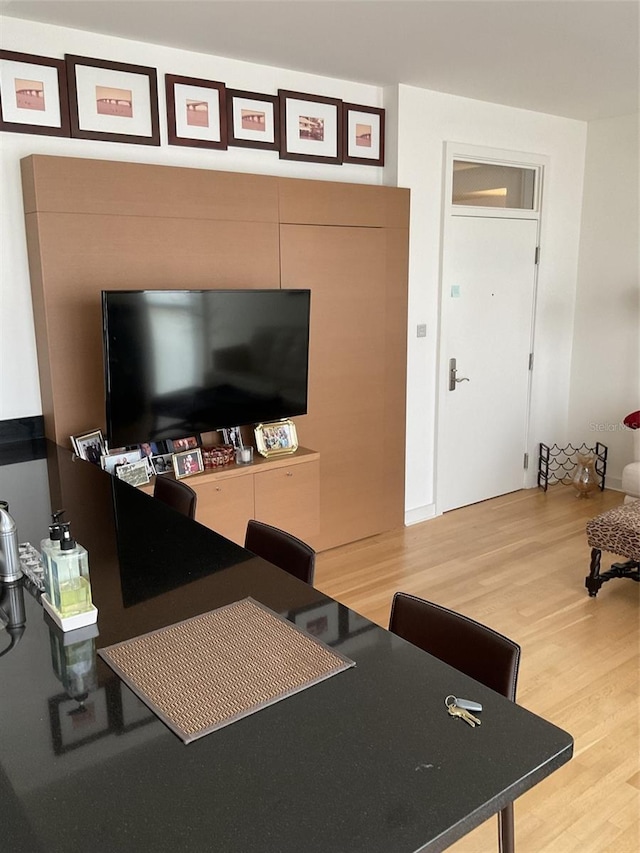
column 289, row 498
column 226, row 505
column 357, row 372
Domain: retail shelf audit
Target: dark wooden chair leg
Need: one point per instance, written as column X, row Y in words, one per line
column 593, row 581
column 506, row 830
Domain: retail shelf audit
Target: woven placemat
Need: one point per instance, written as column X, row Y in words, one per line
column 211, row 670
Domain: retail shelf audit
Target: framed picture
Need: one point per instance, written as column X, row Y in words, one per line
column 33, row 94
column 233, row 436
column 363, row 135
column 274, row 439
column 310, row 127
column 89, row 446
column 116, row 460
column 149, row 449
column 322, row 621
column 187, row 463
column 179, row 444
column 163, row 463
column 136, row 474
column 196, row 112
column 253, row 120
column 75, row 723
column 113, row 101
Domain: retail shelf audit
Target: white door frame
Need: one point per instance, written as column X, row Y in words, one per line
column 461, row 151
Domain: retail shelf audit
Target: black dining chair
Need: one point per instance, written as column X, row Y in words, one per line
column 282, row 549
column 478, row 651
column 176, row 494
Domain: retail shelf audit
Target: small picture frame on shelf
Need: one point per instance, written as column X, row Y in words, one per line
column 111, row 461
column 187, row 463
column 33, row 94
column 233, row 436
column 90, row 446
column 276, row 438
column 363, row 135
column 177, row 445
column 162, row 463
column 136, row 474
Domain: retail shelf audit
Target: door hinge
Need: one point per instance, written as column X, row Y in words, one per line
column 530, row 361
column 526, row 461
column 537, row 257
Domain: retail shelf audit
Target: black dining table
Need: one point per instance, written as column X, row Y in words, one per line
column 366, row 761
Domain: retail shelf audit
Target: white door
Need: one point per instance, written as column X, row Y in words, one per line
column 488, row 290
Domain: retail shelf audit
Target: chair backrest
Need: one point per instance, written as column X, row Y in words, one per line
column 459, row 641
column 282, row 549
column 176, row 494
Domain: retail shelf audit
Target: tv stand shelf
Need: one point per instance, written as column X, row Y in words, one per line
column 281, row 490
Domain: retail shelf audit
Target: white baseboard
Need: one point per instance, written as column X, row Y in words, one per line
column 421, row 513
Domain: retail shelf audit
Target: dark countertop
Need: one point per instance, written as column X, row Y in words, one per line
column 367, row 761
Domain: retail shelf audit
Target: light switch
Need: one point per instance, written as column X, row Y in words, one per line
column 421, row 331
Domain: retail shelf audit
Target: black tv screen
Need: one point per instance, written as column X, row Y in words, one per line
column 182, row 362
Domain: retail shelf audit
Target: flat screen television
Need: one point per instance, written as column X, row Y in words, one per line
column 183, row 362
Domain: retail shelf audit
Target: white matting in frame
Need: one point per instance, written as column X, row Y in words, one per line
column 113, row 101
column 32, row 89
column 363, row 135
column 311, row 127
column 253, row 120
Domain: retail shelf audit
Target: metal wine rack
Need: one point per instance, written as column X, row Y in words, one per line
column 558, row 464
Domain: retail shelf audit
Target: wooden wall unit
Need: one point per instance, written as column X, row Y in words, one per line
column 94, row 225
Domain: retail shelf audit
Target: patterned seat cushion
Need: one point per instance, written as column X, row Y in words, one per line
column 617, row 531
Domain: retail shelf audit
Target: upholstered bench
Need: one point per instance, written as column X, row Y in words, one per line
column 616, row 531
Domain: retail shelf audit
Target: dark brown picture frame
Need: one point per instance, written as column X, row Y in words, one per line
column 234, row 99
column 176, row 133
column 349, row 142
column 60, row 97
column 292, row 145
column 87, row 125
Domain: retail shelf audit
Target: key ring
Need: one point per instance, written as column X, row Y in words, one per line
column 452, row 703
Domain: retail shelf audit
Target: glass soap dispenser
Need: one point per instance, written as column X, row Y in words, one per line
column 49, row 546
column 70, row 602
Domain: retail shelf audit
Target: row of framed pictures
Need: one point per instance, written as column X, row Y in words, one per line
column 180, row 456
column 89, row 98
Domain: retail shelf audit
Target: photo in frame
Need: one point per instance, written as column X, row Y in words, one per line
column 363, row 135
column 196, row 112
column 90, row 446
column 178, row 444
column 233, row 436
column 33, row 94
column 187, row 463
column 162, row 464
column 253, row 120
column 116, row 459
column 310, row 127
column 113, row 101
column 277, row 438
column 136, row 474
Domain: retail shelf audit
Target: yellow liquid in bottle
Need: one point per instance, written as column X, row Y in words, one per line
column 75, row 596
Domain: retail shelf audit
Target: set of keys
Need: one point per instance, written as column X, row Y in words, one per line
column 462, row 708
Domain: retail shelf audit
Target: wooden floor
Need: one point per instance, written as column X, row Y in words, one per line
column 518, row 563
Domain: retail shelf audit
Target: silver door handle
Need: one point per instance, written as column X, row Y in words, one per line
column 453, row 377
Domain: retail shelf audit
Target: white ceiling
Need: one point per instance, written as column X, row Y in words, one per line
column 574, row 58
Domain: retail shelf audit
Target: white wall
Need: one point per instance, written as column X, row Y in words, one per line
column 19, row 385
column 426, row 121
column 605, row 368
column 419, row 122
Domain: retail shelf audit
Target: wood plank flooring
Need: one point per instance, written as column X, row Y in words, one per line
column 518, row 563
